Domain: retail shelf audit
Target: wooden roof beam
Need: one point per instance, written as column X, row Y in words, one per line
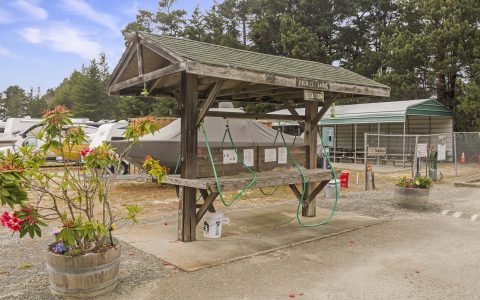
column 171, row 69
column 247, row 88
column 169, row 55
column 277, row 80
column 123, row 64
column 235, row 115
column 140, row 63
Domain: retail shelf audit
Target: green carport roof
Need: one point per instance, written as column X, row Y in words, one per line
column 381, row 112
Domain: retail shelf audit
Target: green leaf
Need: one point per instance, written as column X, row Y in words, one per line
column 31, row 232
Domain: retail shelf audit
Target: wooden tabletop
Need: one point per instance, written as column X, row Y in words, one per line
column 264, row 179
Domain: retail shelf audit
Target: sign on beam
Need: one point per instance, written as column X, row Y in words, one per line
column 313, row 95
column 312, row 84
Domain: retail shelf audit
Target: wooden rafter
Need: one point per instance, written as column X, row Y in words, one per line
column 140, row 60
column 171, row 69
column 123, row 64
column 168, row 55
column 212, row 95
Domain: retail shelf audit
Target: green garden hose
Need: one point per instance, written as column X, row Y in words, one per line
column 227, row 131
column 304, row 183
column 276, row 188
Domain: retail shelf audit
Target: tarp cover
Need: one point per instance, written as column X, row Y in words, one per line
column 164, row 144
column 244, row 132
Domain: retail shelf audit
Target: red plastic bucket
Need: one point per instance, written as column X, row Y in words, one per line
column 344, row 180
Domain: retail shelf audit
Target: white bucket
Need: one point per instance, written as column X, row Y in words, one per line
column 330, row 191
column 212, row 225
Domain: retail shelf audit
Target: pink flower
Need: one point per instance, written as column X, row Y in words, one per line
column 5, row 218
column 13, row 223
column 86, row 151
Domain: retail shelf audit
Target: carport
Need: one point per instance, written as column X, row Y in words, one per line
column 349, row 123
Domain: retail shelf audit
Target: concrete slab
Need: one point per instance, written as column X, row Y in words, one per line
column 250, row 232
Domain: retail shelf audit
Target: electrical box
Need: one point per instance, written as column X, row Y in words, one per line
column 328, row 134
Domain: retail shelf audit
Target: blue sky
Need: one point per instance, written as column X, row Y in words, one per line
column 43, row 41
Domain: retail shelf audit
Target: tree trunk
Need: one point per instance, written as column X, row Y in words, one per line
column 442, row 89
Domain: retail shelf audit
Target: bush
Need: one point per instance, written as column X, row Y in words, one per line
column 77, row 196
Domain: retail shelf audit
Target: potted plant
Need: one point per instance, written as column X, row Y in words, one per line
column 432, row 161
column 84, row 258
column 412, row 192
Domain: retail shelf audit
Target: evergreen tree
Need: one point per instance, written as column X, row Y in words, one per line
column 195, row 27
column 16, row 102
column 144, row 21
column 3, row 106
column 169, row 22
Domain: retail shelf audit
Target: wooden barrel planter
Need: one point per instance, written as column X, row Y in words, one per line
column 411, row 197
column 87, row 275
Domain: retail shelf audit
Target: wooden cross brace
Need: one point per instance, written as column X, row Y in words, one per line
column 310, row 196
column 207, row 204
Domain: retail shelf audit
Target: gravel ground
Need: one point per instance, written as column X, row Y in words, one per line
column 23, row 273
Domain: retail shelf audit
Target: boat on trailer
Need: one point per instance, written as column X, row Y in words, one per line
column 13, row 128
column 164, row 145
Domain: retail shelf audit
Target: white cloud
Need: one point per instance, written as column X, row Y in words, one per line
column 31, row 8
column 82, row 8
column 62, row 38
column 5, row 16
column 6, row 53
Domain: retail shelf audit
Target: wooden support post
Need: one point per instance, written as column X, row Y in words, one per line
column 310, row 138
column 187, row 218
column 316, row 191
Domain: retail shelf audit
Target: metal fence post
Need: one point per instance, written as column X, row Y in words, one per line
column 403, row 153
column 335, row 144
column 415, row 161
column 455, row 152
column 355, row 153
column 365, row 156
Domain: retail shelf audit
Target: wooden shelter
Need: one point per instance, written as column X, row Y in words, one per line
column 198, row 74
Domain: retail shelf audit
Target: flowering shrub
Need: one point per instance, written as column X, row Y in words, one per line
column 420, row 182
column 78, row 196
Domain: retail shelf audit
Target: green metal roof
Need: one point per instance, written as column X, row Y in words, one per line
column 429, row 107
column 380, row 112
column 216, row 55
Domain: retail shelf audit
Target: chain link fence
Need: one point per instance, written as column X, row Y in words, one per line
column 456, row 149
